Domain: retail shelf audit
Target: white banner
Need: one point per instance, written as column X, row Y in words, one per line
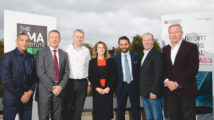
column 35, row 25
column 198, row 28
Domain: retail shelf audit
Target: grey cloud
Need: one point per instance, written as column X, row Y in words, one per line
column 106, row 20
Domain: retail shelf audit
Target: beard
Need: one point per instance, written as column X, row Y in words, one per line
column 124, row 50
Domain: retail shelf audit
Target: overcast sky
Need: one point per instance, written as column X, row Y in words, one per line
column 106, row 20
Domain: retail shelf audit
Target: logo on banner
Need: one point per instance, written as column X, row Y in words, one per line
column 175, row 21
column 37, row 34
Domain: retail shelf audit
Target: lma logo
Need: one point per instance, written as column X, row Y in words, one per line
column 37, row 34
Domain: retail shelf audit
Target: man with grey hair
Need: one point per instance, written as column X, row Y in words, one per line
column 76, row 89
column 181, row 67
column 53, row 72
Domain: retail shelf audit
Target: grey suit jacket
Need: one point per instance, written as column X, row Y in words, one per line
column 46, row 70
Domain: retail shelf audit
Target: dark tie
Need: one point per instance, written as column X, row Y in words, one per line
column 56, row 67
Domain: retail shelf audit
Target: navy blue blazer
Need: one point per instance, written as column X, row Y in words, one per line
column 135, row 69
column 13, row 78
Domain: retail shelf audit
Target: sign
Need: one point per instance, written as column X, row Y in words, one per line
column 198, row 28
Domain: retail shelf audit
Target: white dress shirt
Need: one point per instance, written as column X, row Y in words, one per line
column 174, row 51
column 78, row 61
column 57, row 54
column 145, row 54
column 123, row 66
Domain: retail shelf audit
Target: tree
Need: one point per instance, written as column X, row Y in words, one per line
column 89, row 47
column 136, row 45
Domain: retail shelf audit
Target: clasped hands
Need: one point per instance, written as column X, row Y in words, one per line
column 26, row 96
column 103, row 91
column 171, row 85
column 56, row 90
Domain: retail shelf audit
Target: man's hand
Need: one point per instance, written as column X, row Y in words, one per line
column 106, row 90
column 171, row 85
column 89, row 89
column 100, row 90
column 26, row 96
column 56, row 90
column 153, row 96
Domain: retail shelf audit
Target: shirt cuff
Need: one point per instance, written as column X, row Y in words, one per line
column 165, row 81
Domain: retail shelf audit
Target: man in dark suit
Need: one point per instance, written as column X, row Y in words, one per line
column 181, row 66
column 150, row 76
column 127, row 70
column 18, row 77
column 53, row 72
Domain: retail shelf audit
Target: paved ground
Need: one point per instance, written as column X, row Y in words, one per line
column 88, row 116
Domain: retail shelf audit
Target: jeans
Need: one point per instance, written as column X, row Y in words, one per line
column 153, row 108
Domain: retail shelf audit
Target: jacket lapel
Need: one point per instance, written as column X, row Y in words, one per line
column 148, row 57
column 50, row 58
column 168, row 53
column 180, row 51
column 61, row 59
column 120, row 64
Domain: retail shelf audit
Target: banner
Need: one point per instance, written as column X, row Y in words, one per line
column 35, row 25
column 198, row 28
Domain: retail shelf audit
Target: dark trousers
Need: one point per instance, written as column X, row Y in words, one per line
column 24, row 110
column 75, row 94
column 131, row 91
column 50, row 107
column 181, row 109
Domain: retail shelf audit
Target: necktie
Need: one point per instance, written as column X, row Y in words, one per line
column 127, row 70
column 56, row 67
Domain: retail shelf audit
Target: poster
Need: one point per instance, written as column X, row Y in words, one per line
column 198, row 28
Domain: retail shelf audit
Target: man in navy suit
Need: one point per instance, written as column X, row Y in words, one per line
column 181, row 66
column 18, row 77
column 127, row 72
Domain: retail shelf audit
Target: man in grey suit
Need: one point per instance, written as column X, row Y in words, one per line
column 53, row 73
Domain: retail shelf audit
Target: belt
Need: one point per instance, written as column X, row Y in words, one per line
column 78, row 79
column 56, row 83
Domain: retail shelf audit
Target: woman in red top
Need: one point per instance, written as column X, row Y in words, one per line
column 102, row 75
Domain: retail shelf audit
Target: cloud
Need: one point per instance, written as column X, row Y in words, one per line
column 106, row 20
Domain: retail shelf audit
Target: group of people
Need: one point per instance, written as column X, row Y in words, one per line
column 63, row 78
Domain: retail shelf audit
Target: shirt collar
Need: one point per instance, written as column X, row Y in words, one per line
column 178, row 44
column 20, row 53
column 125, row 53
column 74, row 48
column 147, row 51
column 53, row 48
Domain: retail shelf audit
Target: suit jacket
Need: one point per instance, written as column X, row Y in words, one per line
column 184, row 70
column 12, row 72
column 46, row 71
column 135, row 68
column 151, row 73
column 93, row 75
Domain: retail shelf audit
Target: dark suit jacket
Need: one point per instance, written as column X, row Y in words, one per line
column 151, row 73
column 46, row 71
column 93, row 75
column 135, row 68
column 184, row 69
column 13, row 76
